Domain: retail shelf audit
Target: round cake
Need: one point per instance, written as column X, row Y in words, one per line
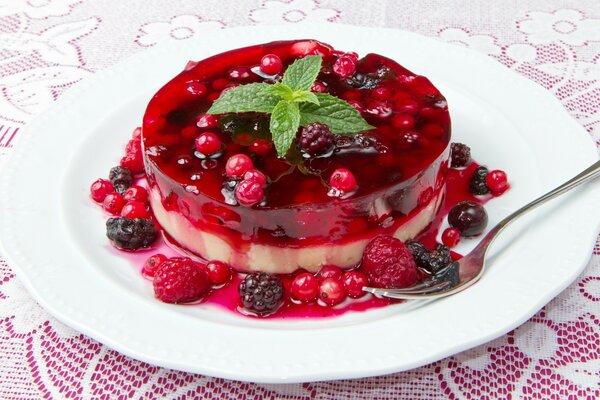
column 321, row 200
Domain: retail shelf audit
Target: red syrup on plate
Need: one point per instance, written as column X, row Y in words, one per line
column 227, row 297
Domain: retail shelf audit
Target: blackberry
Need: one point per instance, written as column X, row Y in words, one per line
column 261, row 293
column 460, row 155
column 131, row 234
column 439, row 258
column 363, row 81
column 477, row 185
column 431, row 261
column 316, row 139
column 121, row 178
column 420, row 253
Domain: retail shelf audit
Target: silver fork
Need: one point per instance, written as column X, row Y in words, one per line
column 461, row 274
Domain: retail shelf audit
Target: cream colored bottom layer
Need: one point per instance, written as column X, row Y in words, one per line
column 274, row 259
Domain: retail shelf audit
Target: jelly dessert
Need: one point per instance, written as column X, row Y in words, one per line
column 245, row 189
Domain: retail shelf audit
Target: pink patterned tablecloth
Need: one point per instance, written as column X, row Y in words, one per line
column 46, row 46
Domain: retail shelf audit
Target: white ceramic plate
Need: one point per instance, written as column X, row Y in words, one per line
column 53, row 236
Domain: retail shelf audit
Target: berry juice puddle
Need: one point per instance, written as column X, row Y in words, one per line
column 295, row 224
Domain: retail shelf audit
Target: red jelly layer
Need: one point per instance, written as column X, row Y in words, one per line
column 399, row 166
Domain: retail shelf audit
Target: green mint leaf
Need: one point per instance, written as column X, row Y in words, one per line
column 340, row 116
column 302, row 73
column 285, row 120
column 253, row 97
column 305, row 96
column 281, row 90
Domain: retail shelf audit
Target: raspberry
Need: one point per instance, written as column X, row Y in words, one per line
column 152, row 263
column 388, row 263
column 478, row 185
column 316, row 139
column 121, row 178
column 100, row 189
column 305, row 287
column 460, row 155
column 131, row 234
column 261, row 293
column 180, row 280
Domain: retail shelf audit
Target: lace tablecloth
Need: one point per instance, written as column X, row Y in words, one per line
column 48, row 45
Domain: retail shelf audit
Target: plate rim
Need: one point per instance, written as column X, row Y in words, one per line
column 123, row 348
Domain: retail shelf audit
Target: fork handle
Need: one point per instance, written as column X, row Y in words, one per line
column 589, row 173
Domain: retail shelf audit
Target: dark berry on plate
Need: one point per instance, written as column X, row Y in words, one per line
column 136, row 193
column 460, row 155
column 180, row 280
column 113, row 203
column 218, row 272
column 261, row 293
column 249, row 192
column 497, row 181
column 353, row 282
column 305, row 287
column 331, row 291
column 134, row 209
column 152, row 263
column 388, row 263
column 331, row 271
column 420, row 253
column 121, row 178
column 477, row 185
column 343, row 180
column 237, row 165
column 100, row 189
column 439, row 258
column 450, row 237
column 131, row 234
column 468, row 217
column 271, row 64
column 208, row 143
column 363, row 81
column 316, row 139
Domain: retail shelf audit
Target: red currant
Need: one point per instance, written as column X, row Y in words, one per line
column 331, row 291
column 451, row 237
column 100, row 189
column 237, row 165
column 136, row 193
column 497, row 181
column 354, row 282
column 382, row 93
column 207, row 121
column 331, row 271
column 249, row 193
column 152, row 264
column 403, row 121
column 318, row 87
column 134, row 209
column 255, row 175
column 344, row 66
column 271, row 64
column 195, row 89
column 113, row 203
column 208, row 143
column 218, row 272
column 305, row 287
column 343, row 180
column 262, row 147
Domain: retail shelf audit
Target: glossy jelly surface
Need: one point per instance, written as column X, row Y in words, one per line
column 399, row 166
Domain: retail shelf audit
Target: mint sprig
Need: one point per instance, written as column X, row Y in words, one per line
column 292, row 104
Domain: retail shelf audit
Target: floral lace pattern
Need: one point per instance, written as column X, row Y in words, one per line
column 48, row 45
